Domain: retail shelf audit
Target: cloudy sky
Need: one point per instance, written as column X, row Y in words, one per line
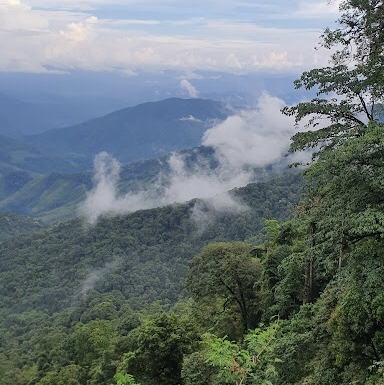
column 228, row 35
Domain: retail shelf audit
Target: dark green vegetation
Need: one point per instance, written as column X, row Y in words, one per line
column 298, row 303
column 49, row 197
column 58, row 196
column 86, row 281
column 145, row 131
column 12, row 225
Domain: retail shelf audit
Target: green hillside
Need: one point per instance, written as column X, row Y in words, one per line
column 162, row 238
column 12, row 225
column 141, row 257
column 57, row 196
column 283, row 286
column 49, row 197
column 145, row 131
column 16, row 156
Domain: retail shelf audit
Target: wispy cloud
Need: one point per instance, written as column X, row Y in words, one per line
column 95, row 276
column 249, row 139
column 187, row 86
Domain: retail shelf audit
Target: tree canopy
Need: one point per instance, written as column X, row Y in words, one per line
column 300, row 302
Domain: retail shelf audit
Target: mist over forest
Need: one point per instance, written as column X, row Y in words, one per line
column 191, row 196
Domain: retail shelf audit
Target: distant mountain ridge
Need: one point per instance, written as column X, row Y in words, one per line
column 145, row 131
column 18, row 156
column 58, row 196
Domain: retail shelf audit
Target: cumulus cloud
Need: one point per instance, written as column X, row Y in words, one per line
column 187, row 86
column 67, row 35
column 247, row 140
column 78, row 32
column 254, row 137
column 18, row 16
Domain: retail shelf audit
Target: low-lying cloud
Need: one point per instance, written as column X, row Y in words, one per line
column 95, row 276
column 249, row 139
column 187, row 86
column 253, row 137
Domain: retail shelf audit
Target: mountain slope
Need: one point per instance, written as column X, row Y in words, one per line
column 48, row 277
column 57, row 196
column 142, row 254
column 14, row 225
column 18, row 156
column 145, row 131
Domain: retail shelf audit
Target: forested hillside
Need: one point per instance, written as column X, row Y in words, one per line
column 18, row 157
column 285, row 288
column 146, row 131
column 12, row 225
column 58, row 196
column 138, row 259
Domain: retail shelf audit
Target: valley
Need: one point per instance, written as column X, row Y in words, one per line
column 172, row 213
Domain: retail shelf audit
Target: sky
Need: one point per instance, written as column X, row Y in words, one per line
column 236, row 36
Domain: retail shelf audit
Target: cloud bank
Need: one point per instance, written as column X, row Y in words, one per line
column 252, row 138
column 45, row 35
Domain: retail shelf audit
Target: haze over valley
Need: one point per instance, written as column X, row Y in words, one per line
column 191, row 193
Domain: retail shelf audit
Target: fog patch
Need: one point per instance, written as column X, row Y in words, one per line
column 245, row 141
column 95, row 276
column 204, row 211
column 190, row 118
column 189, row 88
column 200, row 181
column 102, row 198
column 252, row 137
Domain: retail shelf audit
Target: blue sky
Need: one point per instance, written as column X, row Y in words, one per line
column 236, row 36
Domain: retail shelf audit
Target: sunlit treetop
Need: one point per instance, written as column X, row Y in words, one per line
column 350, row 89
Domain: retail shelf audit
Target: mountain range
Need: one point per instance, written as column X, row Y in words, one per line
column 48, row 175
column 36, row 102
column 145, row 131
column 50, row 270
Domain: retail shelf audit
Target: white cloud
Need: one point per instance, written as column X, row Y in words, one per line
column 17, row 16
column 203, row 210
column 187, row 86
column 68, row 35
column 190, row 118
column 317, row 9
column 78, row 32
column 252, row 138
column 13, row 4
column 102, row 199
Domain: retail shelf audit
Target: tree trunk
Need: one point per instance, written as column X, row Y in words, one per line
column 308, row 269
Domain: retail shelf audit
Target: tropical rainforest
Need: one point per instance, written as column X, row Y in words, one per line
column 289, row 291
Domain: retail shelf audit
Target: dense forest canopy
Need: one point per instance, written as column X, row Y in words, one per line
column 74, row 273
column 299, row 302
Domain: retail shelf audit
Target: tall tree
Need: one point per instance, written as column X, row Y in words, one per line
column 350, row 89
column 349, row 99
column 344, row 204
column 227, row 272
